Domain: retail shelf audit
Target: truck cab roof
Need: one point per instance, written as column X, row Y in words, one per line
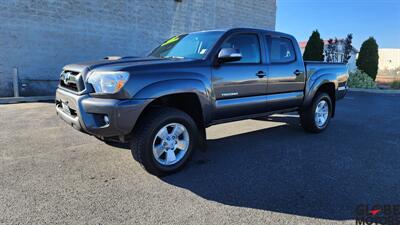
column 244, row 29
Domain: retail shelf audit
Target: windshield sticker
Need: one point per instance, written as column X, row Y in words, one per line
column 170, row 41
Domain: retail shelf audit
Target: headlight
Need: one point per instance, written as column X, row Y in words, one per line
column 107, row 81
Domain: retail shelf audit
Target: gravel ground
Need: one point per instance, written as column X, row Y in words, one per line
column 266, row 171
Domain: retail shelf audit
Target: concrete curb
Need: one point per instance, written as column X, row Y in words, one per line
column 376, row 91
column 11, row 100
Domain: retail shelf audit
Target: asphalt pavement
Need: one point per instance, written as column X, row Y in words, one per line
column 264, row 171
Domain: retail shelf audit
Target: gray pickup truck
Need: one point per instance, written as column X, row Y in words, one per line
column 162, row 103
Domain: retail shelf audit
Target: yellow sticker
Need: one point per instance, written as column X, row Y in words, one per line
column 170, row 41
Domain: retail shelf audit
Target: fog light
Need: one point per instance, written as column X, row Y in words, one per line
column 106, row 120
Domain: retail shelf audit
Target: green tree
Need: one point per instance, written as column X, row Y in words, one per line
column 315, row 48
column 368, row 57
column 348, row 47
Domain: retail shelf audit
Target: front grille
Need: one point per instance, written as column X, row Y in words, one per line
column 72, row 80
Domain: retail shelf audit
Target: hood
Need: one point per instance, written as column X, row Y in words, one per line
column 121, row 62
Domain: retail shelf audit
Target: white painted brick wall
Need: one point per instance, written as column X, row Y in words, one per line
column 39, row 37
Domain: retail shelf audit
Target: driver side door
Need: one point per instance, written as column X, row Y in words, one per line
column 240, row 86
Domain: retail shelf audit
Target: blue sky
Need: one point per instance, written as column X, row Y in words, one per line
column 337, row 18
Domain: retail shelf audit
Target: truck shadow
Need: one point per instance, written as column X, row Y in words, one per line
column 286, row 170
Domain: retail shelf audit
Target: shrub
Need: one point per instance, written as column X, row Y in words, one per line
column 368, row 57
column 315, row 48
column 395, row 84
column 359, row 79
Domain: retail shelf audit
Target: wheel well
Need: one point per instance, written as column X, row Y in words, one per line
column 329, row 88
column 187, row 102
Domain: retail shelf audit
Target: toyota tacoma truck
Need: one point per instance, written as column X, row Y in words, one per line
column 161, row 104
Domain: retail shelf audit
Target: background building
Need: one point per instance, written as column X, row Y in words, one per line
column 389, row 58
column 389, row 65
column 38, row 37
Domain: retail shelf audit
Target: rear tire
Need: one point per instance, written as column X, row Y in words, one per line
column 163, row 140
column 316, row 117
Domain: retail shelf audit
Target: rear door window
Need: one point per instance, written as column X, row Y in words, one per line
column 280, row 50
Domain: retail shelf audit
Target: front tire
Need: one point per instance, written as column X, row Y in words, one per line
column 164, row 140
column 316, row 117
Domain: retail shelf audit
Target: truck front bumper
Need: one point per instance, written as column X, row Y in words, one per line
column 96, row 116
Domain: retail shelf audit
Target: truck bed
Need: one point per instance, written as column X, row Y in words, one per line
column 338, row 74
column 313, row 66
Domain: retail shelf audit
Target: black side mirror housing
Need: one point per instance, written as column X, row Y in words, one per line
column 229, row 55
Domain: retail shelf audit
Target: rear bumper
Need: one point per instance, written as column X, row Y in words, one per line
column 341, row 91
column 87, row 114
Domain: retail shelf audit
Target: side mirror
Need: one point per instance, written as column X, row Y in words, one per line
column 229, row 55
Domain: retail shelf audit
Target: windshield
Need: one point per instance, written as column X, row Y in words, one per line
column 193, row 46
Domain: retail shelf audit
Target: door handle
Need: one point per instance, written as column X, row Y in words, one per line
column 261, row 74
column 297, row 72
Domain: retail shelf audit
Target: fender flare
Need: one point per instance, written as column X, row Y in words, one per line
column 315, row 82
column 180, row 86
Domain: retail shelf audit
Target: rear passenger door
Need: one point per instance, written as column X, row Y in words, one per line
column 286, row 76
column 240, row 86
